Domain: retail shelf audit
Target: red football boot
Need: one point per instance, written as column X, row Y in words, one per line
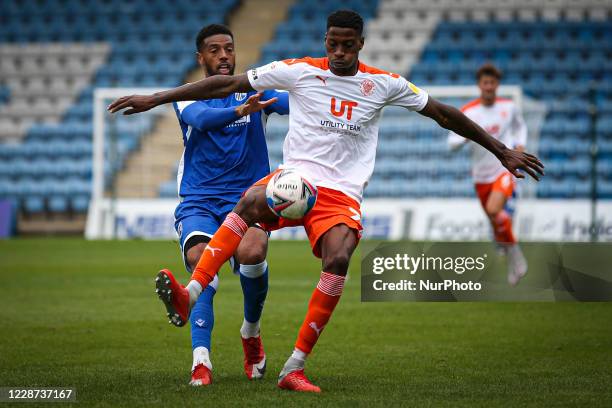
column 254, row 358
column 297, row 381
column 201, row 375
column 175, row 297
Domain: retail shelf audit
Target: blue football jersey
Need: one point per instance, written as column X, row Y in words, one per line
column 224, row 154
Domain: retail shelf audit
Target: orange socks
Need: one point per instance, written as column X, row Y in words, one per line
column 322, row 304
column 220, row 248
column 502, row 225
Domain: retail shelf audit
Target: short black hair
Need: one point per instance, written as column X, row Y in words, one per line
column 210, row 30
column 345, row 19
column 489, row 69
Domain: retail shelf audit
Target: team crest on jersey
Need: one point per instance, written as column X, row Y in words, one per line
column 240, row 96
column 367, row 87
column 179, row 230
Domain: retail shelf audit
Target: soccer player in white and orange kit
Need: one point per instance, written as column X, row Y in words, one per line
column 495, row 185
column 335, row 104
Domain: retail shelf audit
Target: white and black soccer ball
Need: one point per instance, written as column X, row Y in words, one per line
column 289, row 195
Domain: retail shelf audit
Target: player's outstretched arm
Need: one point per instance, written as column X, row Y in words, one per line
column 453, row 119
column 217, row 86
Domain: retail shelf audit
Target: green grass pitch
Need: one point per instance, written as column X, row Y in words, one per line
column 84, row 314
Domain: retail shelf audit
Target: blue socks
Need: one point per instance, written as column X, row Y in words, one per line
column 203, row 319
column 254, row 281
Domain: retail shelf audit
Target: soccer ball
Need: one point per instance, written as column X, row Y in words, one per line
column 289, row 195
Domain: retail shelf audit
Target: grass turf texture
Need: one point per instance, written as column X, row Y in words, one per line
column 84, row 314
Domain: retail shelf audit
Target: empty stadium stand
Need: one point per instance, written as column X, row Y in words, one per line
column 53, row 53
column 558, row 51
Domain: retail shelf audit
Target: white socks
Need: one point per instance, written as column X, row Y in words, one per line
column 254, row 271
column 195, row 289
column 249, row 329
column 299, row 355
column 294, row 363
column 201, row 356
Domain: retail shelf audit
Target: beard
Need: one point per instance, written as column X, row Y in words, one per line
column 217, row 70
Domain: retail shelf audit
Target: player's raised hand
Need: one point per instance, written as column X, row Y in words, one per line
column 253, row 104
column 135, row 103
column 514, row 160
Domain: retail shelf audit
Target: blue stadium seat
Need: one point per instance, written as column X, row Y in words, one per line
column 58, row 204
column 34, row 204
column 168, row 189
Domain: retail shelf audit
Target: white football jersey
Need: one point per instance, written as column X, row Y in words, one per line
column 333, row 120
column 502, row 120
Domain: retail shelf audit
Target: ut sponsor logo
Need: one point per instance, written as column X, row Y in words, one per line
column 345, row 106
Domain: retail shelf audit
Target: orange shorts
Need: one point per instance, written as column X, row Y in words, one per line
column 333, row 207
column 504, row 184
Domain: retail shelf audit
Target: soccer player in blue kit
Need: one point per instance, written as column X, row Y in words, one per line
column 225, row 153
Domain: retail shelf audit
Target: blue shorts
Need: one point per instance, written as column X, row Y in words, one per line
column 199, row 217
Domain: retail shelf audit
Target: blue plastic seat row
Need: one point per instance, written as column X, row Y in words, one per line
column 559, row 168
column 168, row 25
column 56, row 149
column 26, row 169
column 521, row 67
column 36, row 204
column 547, row 28
column 139, row 80
column 518, row 35
column 65, row 131
column 400, row 187
column 45, row 187
column 50, row 7
column 130, row 70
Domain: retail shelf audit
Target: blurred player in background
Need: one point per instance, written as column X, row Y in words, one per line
column 225, row 153
column 495, row 185
column 336, row 103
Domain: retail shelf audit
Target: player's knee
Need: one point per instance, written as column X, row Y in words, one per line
column 336, row 263
column 252, row 255
column 247, row 209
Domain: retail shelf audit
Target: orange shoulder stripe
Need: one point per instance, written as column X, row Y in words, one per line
column 321, row 63
column 376, row 71
column 470, row 104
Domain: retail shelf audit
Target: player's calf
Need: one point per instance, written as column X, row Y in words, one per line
column 254, row 274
